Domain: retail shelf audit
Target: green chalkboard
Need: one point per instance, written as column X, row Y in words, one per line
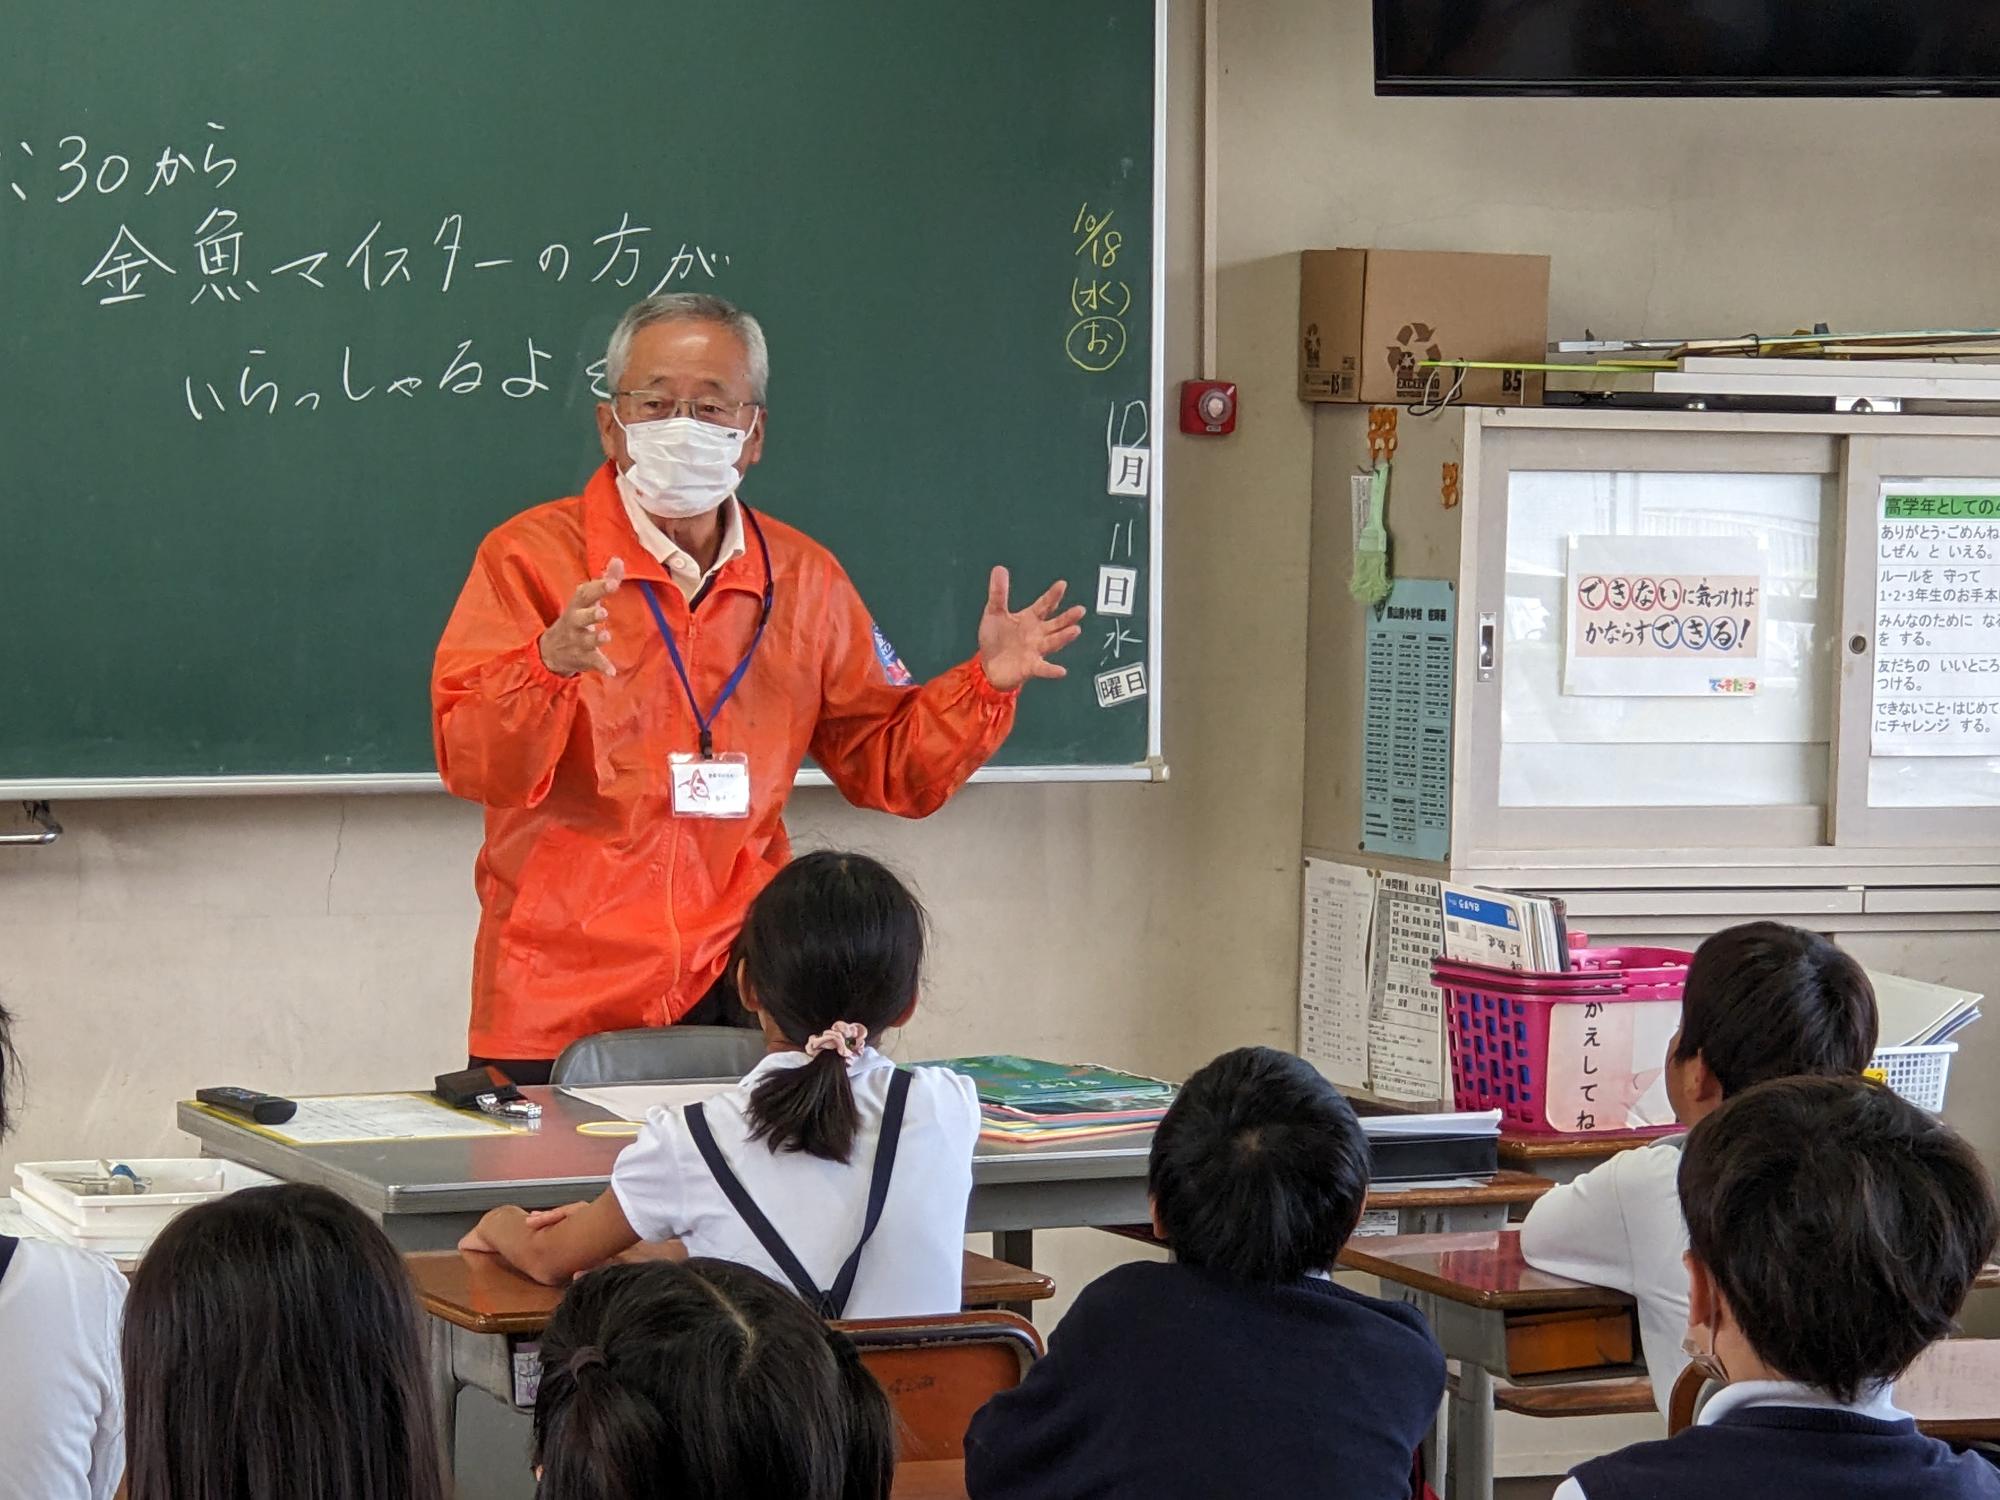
column 301, row 300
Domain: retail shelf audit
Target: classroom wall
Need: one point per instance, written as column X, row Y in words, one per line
column 323, row 942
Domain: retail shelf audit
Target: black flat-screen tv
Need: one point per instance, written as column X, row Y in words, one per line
column 1801, row 48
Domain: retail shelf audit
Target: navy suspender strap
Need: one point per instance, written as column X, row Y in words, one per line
column 831, row 1302
column 8, row 1245
column 878, row 1187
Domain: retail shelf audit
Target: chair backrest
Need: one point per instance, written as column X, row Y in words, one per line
column 658, row 1054
column 1691, row 1392
column 939, row 1371
column 1953, row 1390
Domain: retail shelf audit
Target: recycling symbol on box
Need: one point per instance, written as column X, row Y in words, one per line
column 1414, row 341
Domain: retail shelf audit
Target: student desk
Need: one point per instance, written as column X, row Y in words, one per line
column 1422, row 1207
column 1427, row 1208
column 1497, row 1315
column 1563, row 1158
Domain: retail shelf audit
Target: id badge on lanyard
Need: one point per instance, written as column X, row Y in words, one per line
column 709, row 785
column 715, row 786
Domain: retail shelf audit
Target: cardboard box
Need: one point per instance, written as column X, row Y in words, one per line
column 1367, row 316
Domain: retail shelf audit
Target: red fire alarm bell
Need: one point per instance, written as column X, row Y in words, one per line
column 1208, row 407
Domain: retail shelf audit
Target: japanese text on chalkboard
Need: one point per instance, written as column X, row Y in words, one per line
column 179, row 236
column 1099, row 298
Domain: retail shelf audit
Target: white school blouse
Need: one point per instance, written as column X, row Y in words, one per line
column 62, row 1408
column 915, row 1262
column 1619, row 1225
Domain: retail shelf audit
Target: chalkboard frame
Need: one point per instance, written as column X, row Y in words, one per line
column 1152, row 768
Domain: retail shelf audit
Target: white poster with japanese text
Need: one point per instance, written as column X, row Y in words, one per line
column 1937, row 620
column 1663, row 616
column 1405, row 1013
column 1333, row 971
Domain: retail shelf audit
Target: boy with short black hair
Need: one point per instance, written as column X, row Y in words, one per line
column 1240, row 1368
column 1834, row 1232
column 1762, row 1001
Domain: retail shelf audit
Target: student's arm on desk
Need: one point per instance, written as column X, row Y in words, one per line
column 1579, row 1230
column 555, row 1246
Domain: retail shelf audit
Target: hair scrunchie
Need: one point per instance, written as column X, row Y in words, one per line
column 844, row 1037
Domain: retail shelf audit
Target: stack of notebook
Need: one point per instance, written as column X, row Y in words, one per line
column 1030, row 1102
column 1504, row 930
column 1915, row 1014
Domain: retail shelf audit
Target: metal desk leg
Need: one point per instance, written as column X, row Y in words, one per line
column 1433, row 1449
column 458, row 1358
column 1451, row 1220
column 1469, row 1458
column 1015, row 1246
column 444, row 1397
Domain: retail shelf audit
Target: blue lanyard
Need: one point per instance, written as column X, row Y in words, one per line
column 706, row 722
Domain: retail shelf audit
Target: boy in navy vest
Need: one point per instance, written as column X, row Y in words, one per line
column 1763, row 1001
column 1240, row 1369
column 1834, row 1231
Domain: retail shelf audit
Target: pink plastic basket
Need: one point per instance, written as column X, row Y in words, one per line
column 1499, row 1022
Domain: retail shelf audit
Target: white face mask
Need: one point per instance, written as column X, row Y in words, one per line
column 1705, row 1360
column 682, row 466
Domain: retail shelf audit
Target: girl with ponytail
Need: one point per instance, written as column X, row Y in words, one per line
column 703, row 1381
column 828, row 1167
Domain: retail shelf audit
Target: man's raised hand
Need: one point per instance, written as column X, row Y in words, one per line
column 575, row 643
column 1015, row 645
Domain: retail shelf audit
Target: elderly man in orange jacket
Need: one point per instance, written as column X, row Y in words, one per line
column 632, row 677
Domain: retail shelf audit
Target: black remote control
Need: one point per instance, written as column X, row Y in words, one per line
column 265, row 1109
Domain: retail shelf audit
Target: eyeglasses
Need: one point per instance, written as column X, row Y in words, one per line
column 656, row 406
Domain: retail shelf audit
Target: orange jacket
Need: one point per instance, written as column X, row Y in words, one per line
column 599, row 908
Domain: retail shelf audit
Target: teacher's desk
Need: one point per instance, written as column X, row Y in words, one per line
column 428, row 1193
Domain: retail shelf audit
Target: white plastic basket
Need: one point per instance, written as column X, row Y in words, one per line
column 1916, row 1073
column 99, row 1220
column 122, row 1247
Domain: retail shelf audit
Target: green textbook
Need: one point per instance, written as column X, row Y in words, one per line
column 1033, row 1086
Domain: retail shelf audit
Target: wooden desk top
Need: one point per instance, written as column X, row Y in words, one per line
column 1484, row 1269
column 482, row 1294
column 1507, row 1189
column 1522, row 1150
column 940, row 1479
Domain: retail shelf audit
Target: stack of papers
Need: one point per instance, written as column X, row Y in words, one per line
column 1504, row 931
column 637, row 1101
column 1915, row 1014
column 1031, row 1102
column 1450, row 1125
